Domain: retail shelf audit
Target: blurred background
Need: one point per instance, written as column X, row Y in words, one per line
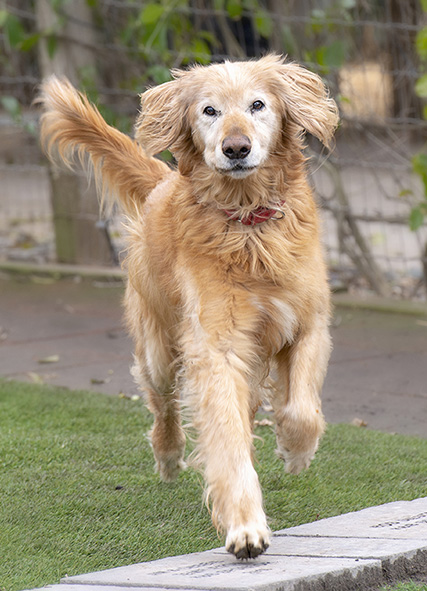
column 371, row 53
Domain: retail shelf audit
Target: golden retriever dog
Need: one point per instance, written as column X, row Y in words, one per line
column 226, row 276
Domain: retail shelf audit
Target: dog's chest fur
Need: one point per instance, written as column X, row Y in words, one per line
column 205, row 264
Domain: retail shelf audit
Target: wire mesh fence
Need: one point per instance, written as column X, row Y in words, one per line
column 368, row 51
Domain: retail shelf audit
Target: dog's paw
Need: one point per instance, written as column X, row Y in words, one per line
column 170, row 467
column 296, row 462
column 247, row 541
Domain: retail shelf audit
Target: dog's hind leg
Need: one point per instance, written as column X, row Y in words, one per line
column 154, row 372
column 301, row 368
column 167, row 437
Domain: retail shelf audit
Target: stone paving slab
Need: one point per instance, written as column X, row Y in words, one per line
column 360, row 550
column 217, row 571
column 338, row 547
column 62, row 587
column 399, row 520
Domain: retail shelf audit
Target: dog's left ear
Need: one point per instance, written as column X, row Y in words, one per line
column 306, row 101
column 161, row 122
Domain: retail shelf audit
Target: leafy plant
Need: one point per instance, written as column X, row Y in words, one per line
column 419, row 211
column 419, row 161
column 12, row 106
column 330, row 50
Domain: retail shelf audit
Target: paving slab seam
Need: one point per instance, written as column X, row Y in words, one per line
column 321, row 536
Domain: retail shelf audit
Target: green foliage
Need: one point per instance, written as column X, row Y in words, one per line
column 418, row 213
column 157, row 35
column 263, row 23
column 11, row 105
column 13, row 29
column 407, row 586
column 330, row 51
column 162, row 26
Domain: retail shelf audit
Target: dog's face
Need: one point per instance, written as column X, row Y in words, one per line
column 235, row 125
column 234, row 115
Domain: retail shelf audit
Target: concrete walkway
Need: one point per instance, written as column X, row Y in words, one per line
column 356, row 551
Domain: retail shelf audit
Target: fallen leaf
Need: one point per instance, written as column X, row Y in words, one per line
column 97, row 381
column 35, row 377
column 359, row 422
column 49, row 359
column 263, row 423
column 42, row 280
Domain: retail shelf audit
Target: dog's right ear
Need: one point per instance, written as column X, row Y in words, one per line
column 161, row 122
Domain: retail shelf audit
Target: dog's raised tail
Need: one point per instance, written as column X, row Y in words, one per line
column 71, row 127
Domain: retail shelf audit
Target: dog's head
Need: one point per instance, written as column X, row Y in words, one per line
column 234, row 115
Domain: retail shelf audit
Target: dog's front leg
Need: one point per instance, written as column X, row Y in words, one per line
column 301, row 368
column 217, row 390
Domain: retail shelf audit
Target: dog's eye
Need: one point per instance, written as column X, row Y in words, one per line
column 210, row 111
column 257, row 106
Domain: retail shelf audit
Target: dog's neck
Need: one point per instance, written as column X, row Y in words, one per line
column 260, row 189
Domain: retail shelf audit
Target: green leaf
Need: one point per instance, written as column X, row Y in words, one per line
column 3, row 17
column 14, row 30
column 263, row 23
column 51, row 43
column 151, row 14
column 288, row 40
column 234, row 9
column 159, row 74
column 348, row 4
column 416, row 219
column 57, row 4
column 29, row 42
column 421, row 43
column 419, row 164
column 421, row 86
column 12, row 106
column 318, row 14
column 201, row 52
column 333, row 55
column 424, row 5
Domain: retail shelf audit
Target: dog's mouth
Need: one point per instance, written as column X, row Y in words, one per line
column 238, row 170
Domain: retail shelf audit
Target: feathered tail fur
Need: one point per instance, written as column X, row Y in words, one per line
column 71, row 126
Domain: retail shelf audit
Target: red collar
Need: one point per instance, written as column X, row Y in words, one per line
column 256, row 216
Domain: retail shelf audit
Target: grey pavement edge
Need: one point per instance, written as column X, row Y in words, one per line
column 360, row 550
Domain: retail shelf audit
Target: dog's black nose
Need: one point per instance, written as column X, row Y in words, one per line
column 236, row 147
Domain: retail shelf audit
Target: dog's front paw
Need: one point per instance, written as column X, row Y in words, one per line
column 247, row 541
column 170, row 467
column 296, row 462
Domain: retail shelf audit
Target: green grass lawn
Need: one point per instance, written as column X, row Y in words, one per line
column 78, row 492
column 409, row 586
